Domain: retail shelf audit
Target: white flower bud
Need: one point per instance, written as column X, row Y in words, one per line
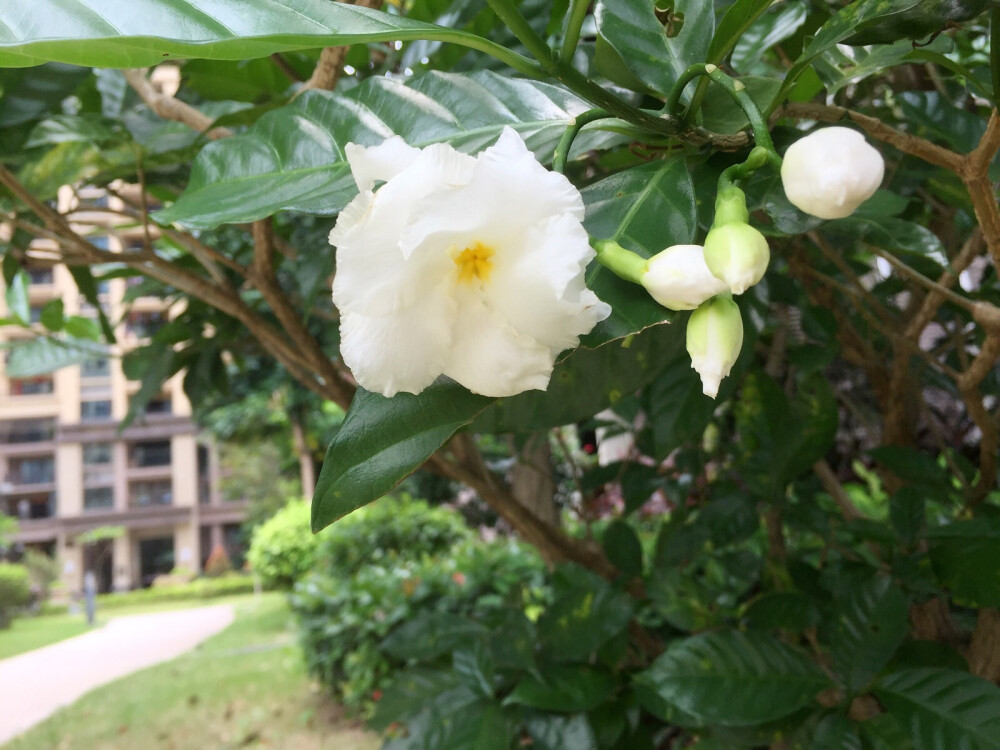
column 831, row 172
column 714, row 340
column 738, row 254
column 678, row 278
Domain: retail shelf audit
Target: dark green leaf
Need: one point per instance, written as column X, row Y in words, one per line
column 635, row 49
column 564, row 688
column 475, row 668
column 943, row 709
column 239, row 80
column 430, row 635
column 836, row 732
column 586, row 613
column 907, row 512
column 738, row 18
column 645, row 209
column 912, row 465
column 785, row 610
column 730, row 515
column 52, row 315
column 293, row 158
column 160, row 363
column 917, row 20
column 27, row 95
column 884, row 732
column 734, row 678
column 382, row 440
column 88, row 288
column 587, row 381
column 623, row 548
column 966, row 559
column 550, row 732
column 867, row 628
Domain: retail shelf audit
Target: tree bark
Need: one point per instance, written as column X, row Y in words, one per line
column 531, row 478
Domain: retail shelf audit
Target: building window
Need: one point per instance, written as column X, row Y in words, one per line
column 95, row 410
column 40, row 470
column 160, row 404
column 27, row 431
column 150, row 454
column 40, row 276
column 144, row 494
column 30, row 507
column 95, row 367
column 31, row 386
column 96, row 498
column 98, row 453
column 99, row 240
column 35, row 314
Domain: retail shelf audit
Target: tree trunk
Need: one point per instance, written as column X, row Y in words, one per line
column 531, row 478
column 307, row 470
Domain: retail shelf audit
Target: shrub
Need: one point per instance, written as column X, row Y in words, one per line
column 282, row 549
column 15, row 591
column 218, row 563
column 200, row 588
column 344, row 619
column 43, row 571
column 387, row 530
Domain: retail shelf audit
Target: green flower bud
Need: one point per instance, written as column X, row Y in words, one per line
column 738, row 254
column 714, row 340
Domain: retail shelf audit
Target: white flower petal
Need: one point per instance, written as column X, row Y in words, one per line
column 489, row 357
column 402, row 352
column 383, row 162
column 539, row 288
column 678, row 278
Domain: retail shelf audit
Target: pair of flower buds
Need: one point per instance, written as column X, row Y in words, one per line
column 827, row 174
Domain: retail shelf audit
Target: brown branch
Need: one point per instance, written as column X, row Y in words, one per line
column 935, row 297
column 170, row 108
column 331, row 59
column 285, row 67
column 989, row 444
column 984, row 650
column 832, row 485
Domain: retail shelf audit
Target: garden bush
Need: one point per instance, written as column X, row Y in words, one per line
column 386, row 530
column 344, row 618
column 283, row 547
column 200, row 588
column 15, row 591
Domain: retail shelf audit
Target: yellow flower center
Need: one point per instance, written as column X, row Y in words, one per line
column 474, row 263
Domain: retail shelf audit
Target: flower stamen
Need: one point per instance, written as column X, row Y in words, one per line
column 474, row 262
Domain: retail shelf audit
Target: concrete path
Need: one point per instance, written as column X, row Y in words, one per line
column 34, row 684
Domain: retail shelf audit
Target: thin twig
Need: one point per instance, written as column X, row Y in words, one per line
column 170, row 108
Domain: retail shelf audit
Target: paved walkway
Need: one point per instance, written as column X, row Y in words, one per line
column 35, row 684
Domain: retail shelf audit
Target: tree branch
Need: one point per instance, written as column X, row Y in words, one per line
column 331, row 59
column 170, row 108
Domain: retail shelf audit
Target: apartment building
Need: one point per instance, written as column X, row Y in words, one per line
column 66, row 466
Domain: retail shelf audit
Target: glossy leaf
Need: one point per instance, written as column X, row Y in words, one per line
column 27, row 95
column 942, row 708
column 429, row 635
column 645, row 209
column 554, row 732
column 636, row 50
column 734, row 678
column 623, row 548
column 867, row 628
column 42, row 355
column 139, row 33
column 16, row 296
column 293, row 157
column 966, row 559
column 382, row 440
column 836, row 732
column 563, row 688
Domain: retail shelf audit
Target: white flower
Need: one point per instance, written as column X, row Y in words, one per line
column 678, row 278
column 714, row 340
column 831, row 172
column 738, row 254
column 471, row 267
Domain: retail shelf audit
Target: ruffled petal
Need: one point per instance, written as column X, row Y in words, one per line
column 488, row 356
column 539, row 288
column 401, row 352
column 382, row 162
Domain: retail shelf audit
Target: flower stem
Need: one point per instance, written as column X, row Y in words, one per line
column 736, row 90
column 577, row 15
column 623, row 263
column 520, row 27
column 572, row 130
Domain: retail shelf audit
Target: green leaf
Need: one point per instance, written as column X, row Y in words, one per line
column 907, row 511
column 883, row 732
column 475, row 667
column 943, row 709
column 734, row 678
column 563, row 688
column 888, row 233
column 836, row 732
column 779, row 23
column 738, row 18
column 622, row 546
column 919, row 21
column 293, row 157
column 867, row 628
column 786, row 610
column 587, row 612
column 238, row 80
column 42, row 355
column 127, row 34
column 382, row 440
column 966, row 558
column 721, row 114
column 88, row 288
column 550, row 732
column 430, row 635
column 912, row 465
column 52, row 315
column 645, row 209
column 69, row 129
column 27, row 95
column 159, row 364
column 16, row 295
column 633, row 46
column 586, row 381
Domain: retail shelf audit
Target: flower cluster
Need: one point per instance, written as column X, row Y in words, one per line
column 470, row 267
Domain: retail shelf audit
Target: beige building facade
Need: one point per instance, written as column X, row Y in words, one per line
column 67, row 467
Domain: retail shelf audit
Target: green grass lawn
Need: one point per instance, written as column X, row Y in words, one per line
column 29, row 633
column 243, row 688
